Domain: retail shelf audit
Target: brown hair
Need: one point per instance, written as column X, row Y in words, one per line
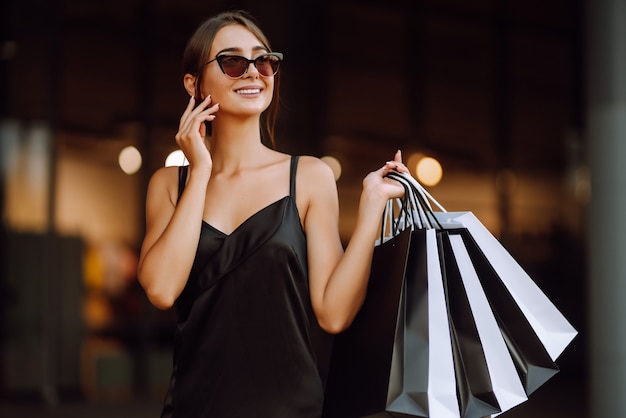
column 199, row 46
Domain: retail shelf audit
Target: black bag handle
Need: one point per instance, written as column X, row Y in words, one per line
column 397, row 216
column 417, row 201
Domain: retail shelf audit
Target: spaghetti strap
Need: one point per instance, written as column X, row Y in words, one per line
column 182, row 179
column 292, row 175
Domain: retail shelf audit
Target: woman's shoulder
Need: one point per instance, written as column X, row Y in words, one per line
column 165, row 175
column 314, row 167
column 315, row 177
column 165, row 180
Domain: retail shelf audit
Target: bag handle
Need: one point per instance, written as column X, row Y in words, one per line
column 396, row 218
column 399, row 214
column 418, row 201
column 398, row 176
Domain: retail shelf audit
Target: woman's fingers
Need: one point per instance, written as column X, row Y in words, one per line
column 190, row 112
column 191, row 122
column 192, row 130
column 396, row 164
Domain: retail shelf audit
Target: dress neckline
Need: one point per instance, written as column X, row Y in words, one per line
column 247, row 220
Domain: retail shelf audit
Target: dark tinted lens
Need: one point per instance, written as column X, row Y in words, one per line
column 267, row 65
column 233, row 66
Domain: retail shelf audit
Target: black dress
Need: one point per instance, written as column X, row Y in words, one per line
column 245, row 332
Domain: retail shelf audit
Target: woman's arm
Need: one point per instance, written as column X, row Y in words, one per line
column 338, row 280
column 172, row 234
column 173, row 228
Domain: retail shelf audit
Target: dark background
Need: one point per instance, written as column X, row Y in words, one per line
column 494, row 89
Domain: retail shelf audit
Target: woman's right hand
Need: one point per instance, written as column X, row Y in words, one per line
column 192, row 130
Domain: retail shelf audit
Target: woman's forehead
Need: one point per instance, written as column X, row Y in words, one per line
column 235, row 38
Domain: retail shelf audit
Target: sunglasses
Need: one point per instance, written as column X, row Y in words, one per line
column 235, row 66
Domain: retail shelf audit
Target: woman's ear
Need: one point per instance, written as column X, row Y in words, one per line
column 189, row 81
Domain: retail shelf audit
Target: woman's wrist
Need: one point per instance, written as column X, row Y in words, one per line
column 201, row 174
column 371, row 207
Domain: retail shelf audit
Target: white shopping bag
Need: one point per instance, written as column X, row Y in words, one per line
column 504, row 377
column 554, row 331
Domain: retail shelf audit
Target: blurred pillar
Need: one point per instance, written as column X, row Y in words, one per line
column 606, row 119
column 502, row 116
column 6, row 46
column 146, row 87
column 51, row 289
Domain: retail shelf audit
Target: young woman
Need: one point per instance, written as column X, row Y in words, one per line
column 244, row 242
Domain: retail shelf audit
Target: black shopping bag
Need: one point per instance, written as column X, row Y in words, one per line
column 361, row 356
column 439, row 367
column 520, row 331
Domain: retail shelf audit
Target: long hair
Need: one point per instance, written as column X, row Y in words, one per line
column 199, row 46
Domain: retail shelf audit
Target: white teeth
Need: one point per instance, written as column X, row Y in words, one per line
column 249, row 91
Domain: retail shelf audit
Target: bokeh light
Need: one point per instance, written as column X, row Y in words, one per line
column 176, row 158
column 429, row 171
column 130, row 160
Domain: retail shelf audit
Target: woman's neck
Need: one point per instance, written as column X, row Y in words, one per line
column 235, row 146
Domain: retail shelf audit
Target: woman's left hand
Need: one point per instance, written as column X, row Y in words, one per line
column 376, row 182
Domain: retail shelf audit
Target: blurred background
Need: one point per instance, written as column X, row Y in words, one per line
column 512, row 109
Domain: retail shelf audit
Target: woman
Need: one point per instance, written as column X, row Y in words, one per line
column 245, row 244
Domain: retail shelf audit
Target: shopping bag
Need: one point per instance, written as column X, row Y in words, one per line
column 473, row 335
column 552, row 328
column 441, row 366
column 507, row 388
column 374, row 374
column 414, row 387
column 361, row 356
column 533, row 362
column 503, row 297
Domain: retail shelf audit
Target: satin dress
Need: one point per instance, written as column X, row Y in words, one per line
column 245, row 338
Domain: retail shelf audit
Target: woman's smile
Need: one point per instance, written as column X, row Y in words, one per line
column 248, row 91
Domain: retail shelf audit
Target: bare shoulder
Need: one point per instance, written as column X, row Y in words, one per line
column 316, row 184
column 312, row 171
column 164, row 182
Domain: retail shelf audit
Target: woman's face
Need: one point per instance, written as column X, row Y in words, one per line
column 251, row 93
